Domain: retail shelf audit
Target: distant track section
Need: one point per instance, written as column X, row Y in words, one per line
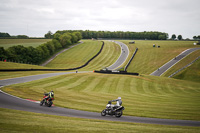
column 122, row 58
column 184, row 67
column 172, row 62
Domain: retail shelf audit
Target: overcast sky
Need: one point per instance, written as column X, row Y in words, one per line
column 36, row 17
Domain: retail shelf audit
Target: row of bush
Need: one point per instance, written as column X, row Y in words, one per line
column 41, row 53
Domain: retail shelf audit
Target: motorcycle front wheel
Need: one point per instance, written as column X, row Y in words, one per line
column 103, row 113
column 118, row 113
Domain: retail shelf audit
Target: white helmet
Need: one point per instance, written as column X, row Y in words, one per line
column 119, row 98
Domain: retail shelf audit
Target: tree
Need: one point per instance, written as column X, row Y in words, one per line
column 50, row 47
column 179, row 37
column 4, row 35
column 17, row 53
column 57, row 36
column 49, row 35
column 40, row 54
column 173, row 36
column 45, row 50
column 3, row 53
column 22, row 37
column 65, row 40
column 74, row 38
column 78, row 34
column 56, row 44
column 194, row 37
column 161, row 37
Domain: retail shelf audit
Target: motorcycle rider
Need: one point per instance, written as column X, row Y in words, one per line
column 50, row 95
column 118, row 104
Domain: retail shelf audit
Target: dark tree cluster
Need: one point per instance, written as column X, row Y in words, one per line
column 152, row 35
column 174, row 37
column 39, row 54
column 196, row 37
column 4, row 35
column 7, row 36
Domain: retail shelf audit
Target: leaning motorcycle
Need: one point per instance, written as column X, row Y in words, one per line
column 47, row 101
column 117, row 111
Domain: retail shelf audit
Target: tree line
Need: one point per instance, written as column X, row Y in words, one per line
column 39, row 54
column 151, row 35
column 196, row 37
column 8, row 36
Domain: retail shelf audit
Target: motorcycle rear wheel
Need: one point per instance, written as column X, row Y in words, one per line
column 50, row 103
column 118, row 113
column 103, row 113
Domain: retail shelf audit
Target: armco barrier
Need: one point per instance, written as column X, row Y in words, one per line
column 131, row 59
column 120, row 72
column 11, row 70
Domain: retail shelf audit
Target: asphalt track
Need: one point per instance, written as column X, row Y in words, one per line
column 12, row 102
column 122, row 58
column 172, row 62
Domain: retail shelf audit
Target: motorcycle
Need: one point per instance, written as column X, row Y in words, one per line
column 117, row 111
column 47, row 101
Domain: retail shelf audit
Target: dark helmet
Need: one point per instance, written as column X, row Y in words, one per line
column 52, row 91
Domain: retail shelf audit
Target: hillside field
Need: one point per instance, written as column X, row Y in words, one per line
column 6, row 43
column 80, row 54
column 144, row 95
column 147, row 96
column 149, row 58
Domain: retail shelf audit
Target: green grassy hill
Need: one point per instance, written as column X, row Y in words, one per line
column 80, row 54
column 76, row 56
column 191, row 73
column 146, row 96
column 148, row 58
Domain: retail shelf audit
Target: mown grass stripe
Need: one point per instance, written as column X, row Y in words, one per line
column 142, row 95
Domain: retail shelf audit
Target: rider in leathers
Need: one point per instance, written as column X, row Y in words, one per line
column 118, row 104
column 50, row 95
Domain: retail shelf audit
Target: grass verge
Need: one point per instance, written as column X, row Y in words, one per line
column 21, row 121
column 191, row 73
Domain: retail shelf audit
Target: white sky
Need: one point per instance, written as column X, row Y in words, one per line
column 36, row 17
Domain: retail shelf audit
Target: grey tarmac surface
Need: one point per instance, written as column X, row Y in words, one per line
column 172, row 62
column 122, row 58
column 12, row 102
